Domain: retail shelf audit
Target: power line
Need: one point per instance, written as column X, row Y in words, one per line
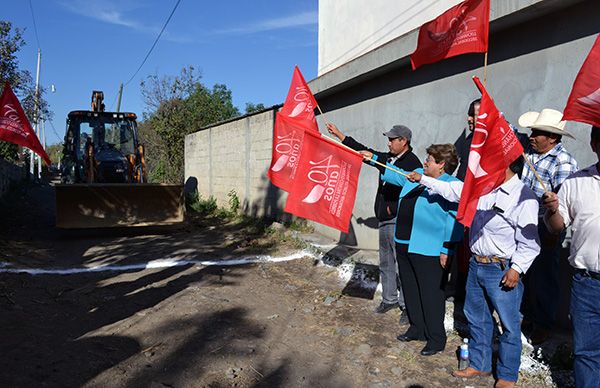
column 54, row 130
column 34, row 25
column 154, row 44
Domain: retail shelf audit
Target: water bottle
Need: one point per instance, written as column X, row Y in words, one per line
column 463, row 361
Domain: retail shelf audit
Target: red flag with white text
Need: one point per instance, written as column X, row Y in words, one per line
column 296, row 116
column 324, row 189
column 583, row 104
column 462, row 29
column 300, row 103
column 493, row 148
column 287, row 146
column 14, row 126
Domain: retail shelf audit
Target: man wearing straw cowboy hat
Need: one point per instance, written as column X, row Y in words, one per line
column 386, row 204
column 550, row 164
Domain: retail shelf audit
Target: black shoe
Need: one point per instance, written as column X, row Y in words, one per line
column 429, row 352
column 385, row 307
column 406, row 338
column 404, row 318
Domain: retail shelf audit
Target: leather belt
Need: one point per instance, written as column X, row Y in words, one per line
column 489, row 259
column 589, row 274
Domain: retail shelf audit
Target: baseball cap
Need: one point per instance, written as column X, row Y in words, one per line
column 399, row 131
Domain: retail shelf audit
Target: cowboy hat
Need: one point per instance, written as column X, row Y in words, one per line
column 548, row 120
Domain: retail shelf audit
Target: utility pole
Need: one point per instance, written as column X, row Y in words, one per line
column 120, row 95
column 36, row 109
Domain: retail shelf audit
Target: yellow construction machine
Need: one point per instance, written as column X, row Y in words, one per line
column 103, row 175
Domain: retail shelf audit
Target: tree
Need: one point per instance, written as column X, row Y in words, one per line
column 251, row 107
column 54, row 151
column 178, row 106
column 11, row 41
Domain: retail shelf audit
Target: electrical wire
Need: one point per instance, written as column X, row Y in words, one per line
column 34, row 25
column 54, row 130
column 154, row 44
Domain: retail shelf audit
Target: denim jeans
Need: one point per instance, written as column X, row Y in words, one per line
column 485, row 294
column 585, row 316
column 388, row 268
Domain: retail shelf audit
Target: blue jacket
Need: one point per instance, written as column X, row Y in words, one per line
column 434, row 221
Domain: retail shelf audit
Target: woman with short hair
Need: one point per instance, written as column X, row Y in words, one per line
column 425, row 227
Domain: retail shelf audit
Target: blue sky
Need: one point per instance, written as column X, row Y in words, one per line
column 251, row 46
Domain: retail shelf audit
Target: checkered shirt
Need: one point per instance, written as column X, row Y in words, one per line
column 553, row 167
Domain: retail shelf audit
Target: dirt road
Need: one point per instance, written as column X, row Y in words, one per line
column 190, row 325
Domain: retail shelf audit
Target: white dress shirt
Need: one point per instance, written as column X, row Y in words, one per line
column 505, row 224
column 579, row 206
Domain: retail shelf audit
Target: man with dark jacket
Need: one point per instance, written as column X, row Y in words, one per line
column 386, row 204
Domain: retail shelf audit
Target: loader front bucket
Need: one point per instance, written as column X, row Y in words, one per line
column 108, row 205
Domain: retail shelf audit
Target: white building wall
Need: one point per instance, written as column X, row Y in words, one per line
column 350, row 28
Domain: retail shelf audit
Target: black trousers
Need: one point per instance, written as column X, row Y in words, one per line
column 423, row 281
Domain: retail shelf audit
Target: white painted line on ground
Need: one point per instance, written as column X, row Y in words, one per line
column 7, row 268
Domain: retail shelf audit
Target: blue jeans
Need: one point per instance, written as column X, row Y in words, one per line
column 585, row 316
column 484, row 295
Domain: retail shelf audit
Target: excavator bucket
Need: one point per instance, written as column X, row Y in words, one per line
column 108, row 205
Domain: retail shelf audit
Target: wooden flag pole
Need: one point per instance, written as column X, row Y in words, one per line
column 356, row 152
column 485, row 62
column 322, row 114
column 353, row 150
column 537, row 176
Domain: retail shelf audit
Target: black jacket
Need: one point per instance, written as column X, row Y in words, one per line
column 386, row 199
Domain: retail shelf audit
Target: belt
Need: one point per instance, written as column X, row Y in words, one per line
column 588, row 274
column 489, row 259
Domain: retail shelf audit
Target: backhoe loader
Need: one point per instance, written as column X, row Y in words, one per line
column 103, row 175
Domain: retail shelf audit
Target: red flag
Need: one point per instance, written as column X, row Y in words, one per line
column 287, row 145
column 493, row 148
column 14, row 126
column 584, row 102
column 300, row 103
column 461, row 29
column 325, row 186
column 296, row 116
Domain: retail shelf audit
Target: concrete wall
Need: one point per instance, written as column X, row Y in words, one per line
column 535, row 54
column 9, row 175
column 348, row 29
column 235, row 156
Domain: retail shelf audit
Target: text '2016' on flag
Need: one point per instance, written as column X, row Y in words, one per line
column 296, row 117
column 462, row 29
column 493, row 148
column 583, row 104
column 15, row 127
column 324, row 189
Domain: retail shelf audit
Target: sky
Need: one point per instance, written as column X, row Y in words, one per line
column 250, row 46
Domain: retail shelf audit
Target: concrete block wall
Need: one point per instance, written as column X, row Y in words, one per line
column 235, row 156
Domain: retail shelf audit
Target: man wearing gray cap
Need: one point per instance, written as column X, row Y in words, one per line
column 386, row 206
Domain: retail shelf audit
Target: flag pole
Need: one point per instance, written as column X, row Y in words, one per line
column 355, row 151
column 358, row 153
column 537, row 176
column 485, row 63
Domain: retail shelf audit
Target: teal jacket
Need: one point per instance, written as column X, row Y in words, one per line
column 434, row 221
